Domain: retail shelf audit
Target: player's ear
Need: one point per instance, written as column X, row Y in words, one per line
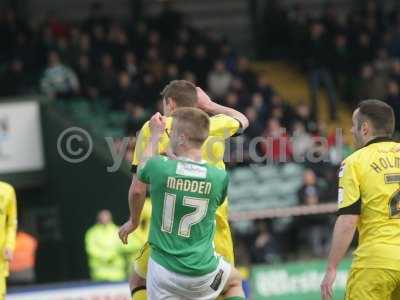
column 365, row 128
column 172, row 103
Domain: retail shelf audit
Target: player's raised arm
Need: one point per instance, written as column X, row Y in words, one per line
column 140, row 144
column 205, row 103
column 147, row 140
column 138, row 188
column 157, row 127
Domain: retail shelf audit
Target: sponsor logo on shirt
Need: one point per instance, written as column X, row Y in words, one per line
column 340, row 196
column 191, row 170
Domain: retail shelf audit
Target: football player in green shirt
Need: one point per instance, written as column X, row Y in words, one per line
column 185, row 194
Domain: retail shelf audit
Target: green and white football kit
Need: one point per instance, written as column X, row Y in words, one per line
column 185, row 196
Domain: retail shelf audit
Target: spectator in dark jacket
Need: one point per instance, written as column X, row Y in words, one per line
column 393, row 99
column 200, row 64
column 263, row 87
column 123, row 93
column 369, row 85
column 245, row 73
column 341, row 63
column 14, row 81
column 318, row 65
column 363, row 52
column 264, row 249
column 87, row 77
column 395, row 74
column 107, row 75
column 312, row 227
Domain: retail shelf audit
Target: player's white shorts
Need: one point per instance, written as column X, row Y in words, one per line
column 163, row 284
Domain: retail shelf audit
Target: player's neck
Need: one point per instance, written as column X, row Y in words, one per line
column 373, row 137
column 192, row 154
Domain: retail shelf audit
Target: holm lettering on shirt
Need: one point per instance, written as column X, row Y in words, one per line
column 384, row 163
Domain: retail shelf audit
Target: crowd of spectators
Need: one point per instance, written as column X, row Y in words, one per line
column 354, row 55
column 129, row 63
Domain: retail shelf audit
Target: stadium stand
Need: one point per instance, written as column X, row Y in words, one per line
column 107, row 75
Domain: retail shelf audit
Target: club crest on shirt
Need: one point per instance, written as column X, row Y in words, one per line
column 341, row 170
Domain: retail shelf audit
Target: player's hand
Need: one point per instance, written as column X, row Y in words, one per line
column 204, row 102
column 170, row 153
column 327, row 283
column 8, row 254
column 125, row 230
column 158, row 124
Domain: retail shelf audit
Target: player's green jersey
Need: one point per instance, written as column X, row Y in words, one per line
column 184, row 195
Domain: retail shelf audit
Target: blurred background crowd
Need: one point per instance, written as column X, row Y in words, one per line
column 354, row 55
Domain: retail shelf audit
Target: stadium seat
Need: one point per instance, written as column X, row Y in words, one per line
column 268, row 202
column 274, row 188
column 287, row 187
column 289, row 200
column 237, row 192
column 267, row 189
column 114, row 132
column 101, row 105
column 292, row 170
column 245, row 204
column 79, row 107
column 117, row 119
column 243, row 175
column 266, row 172
column 243, row 227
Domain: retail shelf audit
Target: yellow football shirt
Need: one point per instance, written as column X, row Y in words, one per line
column 8, row 223
column 221, row 128
column 369, row 186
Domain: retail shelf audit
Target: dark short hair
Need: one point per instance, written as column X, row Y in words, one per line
column 380, row 114
column 183, row 92
column 194, row 122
